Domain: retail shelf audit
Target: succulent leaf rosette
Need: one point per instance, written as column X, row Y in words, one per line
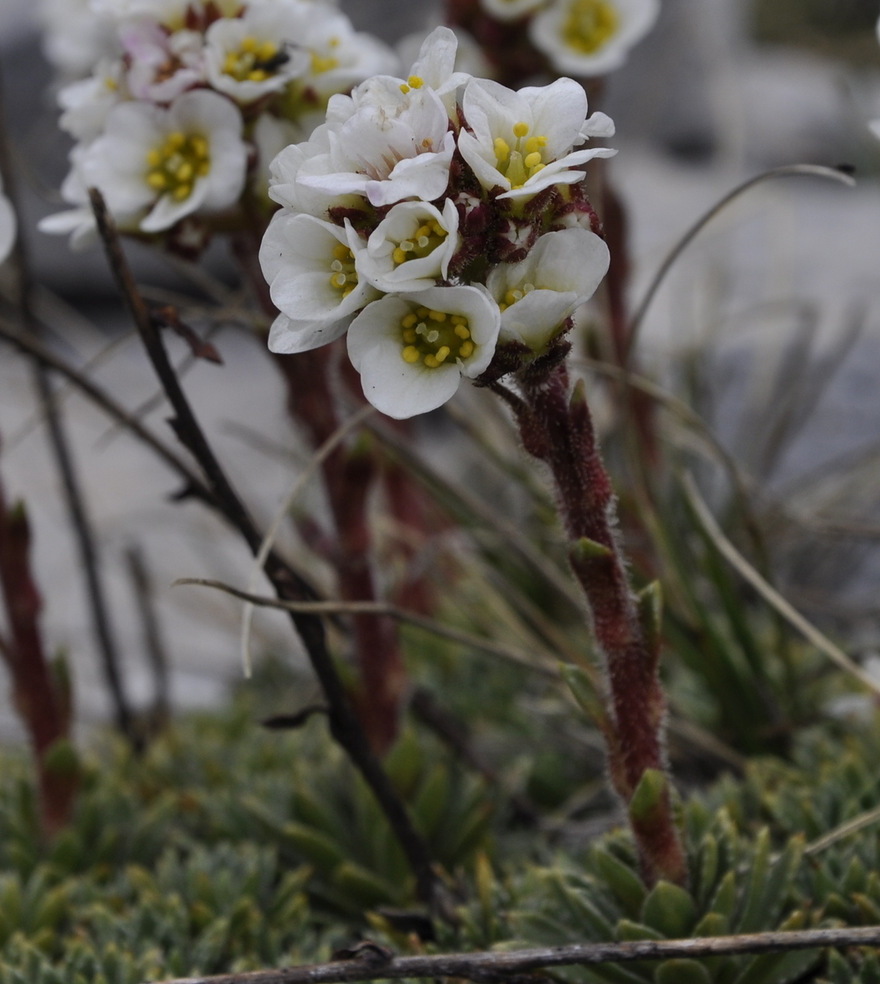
column 187, row 102
column 440, row 224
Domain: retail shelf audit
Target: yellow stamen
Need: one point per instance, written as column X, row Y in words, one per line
column 589, row 25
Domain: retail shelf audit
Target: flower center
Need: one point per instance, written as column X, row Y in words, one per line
column 524, row 159
column 413, row 82
column 515, row 294
column 589, row 25
column 255, row 60
column 342, row 276
column 435, row 337
column 426, row 238
column 173, row 167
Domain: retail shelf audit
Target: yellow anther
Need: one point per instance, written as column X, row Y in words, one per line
column 520, row 129
column 422, row 312
column 502, row 149
column 409, row 335
column 466, row 349
column 323, row 63
column 404, row 88
column 341, row 252
column 409, row 320
column 156, row 180
column 199, row 146
column 461, row 331
column 431, row 361
column 535, row 143
column 411, row 354
column 399, row 255
column 267, row 50
column 443, row 353
column 184, row 172
column 249, row 45
column 257, row 75
column 437, row 315
column 532, row 160
column 175, row 140
column 181, row 192
column 154, row 158
column 415, row 82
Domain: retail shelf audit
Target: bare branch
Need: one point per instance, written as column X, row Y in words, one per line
column 490, row 966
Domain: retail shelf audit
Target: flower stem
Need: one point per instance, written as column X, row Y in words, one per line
column 557, row 428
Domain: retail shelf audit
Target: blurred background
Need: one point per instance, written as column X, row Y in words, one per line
column 768, row 325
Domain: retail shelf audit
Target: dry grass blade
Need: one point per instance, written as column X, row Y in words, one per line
column 271, row 536
column 538, row 663
column 767, row 591
column 788, row 170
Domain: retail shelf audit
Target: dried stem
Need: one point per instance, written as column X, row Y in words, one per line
column 344, row 725
column 374, row 963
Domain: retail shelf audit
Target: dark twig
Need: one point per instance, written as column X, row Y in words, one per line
column 344, row 724
column 153, row 643
column 492, row 966
column 80, row 521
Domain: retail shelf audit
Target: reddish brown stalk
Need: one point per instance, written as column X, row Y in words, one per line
column 44, row 705
column 349, row 475
column 557, row 429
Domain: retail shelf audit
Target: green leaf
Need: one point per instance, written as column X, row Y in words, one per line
column 682, row 971
column 623, row 882
column 670, row 910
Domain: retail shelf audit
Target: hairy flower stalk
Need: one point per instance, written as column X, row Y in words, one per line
column 557, row 428
column 440, row 225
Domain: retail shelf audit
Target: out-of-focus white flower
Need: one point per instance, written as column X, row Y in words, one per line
column 7, row 225
column 86, row 103
column 522, row 142
column 154, row 166
column 310, row 268
column 506, row 10
column 411, row 247
column 161, row 65
column 586, row 38
column 250, row 56
column 536, row 296
column 75, row 37
column 411, row 350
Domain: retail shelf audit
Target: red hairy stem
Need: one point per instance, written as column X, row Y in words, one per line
column 41, row 702
column 558, row 429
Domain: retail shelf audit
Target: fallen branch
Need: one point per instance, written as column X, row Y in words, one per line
column 374, row 963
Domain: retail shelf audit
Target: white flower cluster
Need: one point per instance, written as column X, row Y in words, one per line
column 7, row 226
column 440, row 223
column 188, row 101
column 583, row 38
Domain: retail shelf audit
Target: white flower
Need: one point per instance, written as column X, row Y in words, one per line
column 75, row 37
column 338, row 56
column 536, row 295
column 86, row 103
column 435, row 64
column 387, row 141
column 522, row 142
column 259, row 53
column 164, row 164
column 411, row 350
column 505, row 10
column 162, row 65
column 585, row 38
column 7, row 225
column 411, row 247
column 309, row 266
